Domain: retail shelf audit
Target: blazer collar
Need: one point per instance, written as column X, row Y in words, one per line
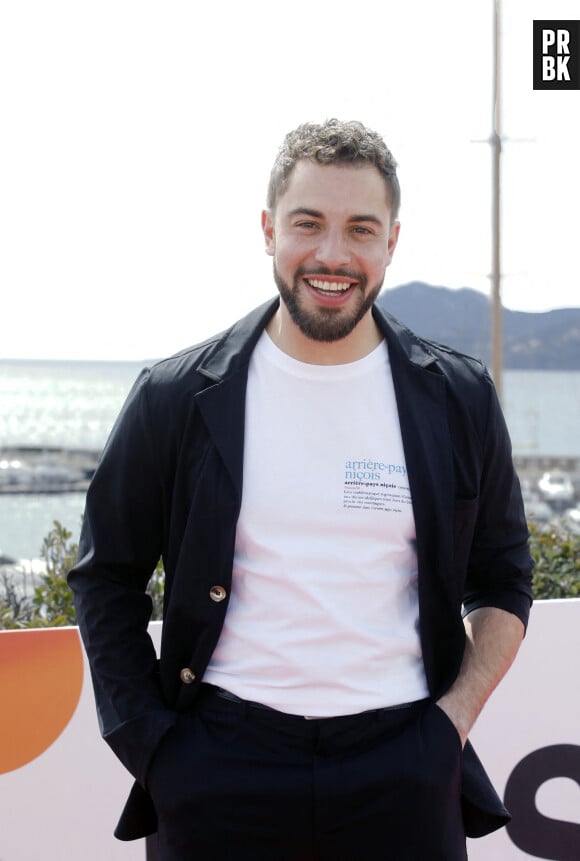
column 402, row 341
column 231, row 350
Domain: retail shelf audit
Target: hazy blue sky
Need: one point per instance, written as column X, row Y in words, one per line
column 138, row 137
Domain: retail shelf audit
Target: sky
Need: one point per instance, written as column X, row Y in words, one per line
column 138, row 138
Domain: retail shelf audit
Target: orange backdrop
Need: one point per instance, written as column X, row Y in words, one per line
column 41, row 677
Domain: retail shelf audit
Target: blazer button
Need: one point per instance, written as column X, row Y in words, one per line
column 217, row 593
column 187, row 676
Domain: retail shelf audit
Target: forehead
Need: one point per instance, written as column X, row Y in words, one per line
column 335, row 188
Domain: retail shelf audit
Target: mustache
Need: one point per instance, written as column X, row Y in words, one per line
column 325, row 270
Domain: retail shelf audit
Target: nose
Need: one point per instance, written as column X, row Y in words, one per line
column 332, row 249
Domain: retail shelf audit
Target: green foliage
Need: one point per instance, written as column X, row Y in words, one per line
column 155, row 590
column 51, row 604
column 16, row 610
column 53, row 599
column 557, row 557
column 556, row 554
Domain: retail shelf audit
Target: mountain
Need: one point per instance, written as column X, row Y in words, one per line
column 461, row 319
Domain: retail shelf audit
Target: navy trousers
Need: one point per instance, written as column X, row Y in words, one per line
column 237, row 782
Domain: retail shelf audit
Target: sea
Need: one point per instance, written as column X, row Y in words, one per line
column 73, row 405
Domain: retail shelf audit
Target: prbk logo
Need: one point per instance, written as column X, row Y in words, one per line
column 556, row 55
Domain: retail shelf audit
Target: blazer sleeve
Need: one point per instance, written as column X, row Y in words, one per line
column 120, row 545
column 499, row 569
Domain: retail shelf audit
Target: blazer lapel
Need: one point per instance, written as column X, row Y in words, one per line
column 423, row 417
column 222, row 403
column 422, row 403
column 222, row 407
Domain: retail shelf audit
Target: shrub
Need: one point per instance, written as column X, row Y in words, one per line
column 51, row 604
column 53, row 599
column 556, row 554
column 16, row 610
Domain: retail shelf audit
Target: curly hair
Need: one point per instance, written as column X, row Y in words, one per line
column 334, row 142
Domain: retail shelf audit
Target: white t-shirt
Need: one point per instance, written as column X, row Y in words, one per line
column 323, row 612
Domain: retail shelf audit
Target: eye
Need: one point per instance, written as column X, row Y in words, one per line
column 362, row 231
column 306, row 225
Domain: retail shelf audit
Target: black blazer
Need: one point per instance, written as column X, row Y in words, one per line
column 169, row 484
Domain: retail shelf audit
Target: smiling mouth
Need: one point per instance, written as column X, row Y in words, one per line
column 332, row 288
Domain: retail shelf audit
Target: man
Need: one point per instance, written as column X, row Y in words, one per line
column 326, row 491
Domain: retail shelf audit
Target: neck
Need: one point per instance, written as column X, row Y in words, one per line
column 363, row 339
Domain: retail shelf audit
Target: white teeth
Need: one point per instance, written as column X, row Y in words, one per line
column 329, row 286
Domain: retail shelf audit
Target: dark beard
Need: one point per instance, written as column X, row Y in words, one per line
column 325, row 324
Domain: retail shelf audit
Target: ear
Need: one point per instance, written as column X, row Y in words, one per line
column 268, row 229
column 393, row 238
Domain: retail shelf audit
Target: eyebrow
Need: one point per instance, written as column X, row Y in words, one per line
column 314, row 213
